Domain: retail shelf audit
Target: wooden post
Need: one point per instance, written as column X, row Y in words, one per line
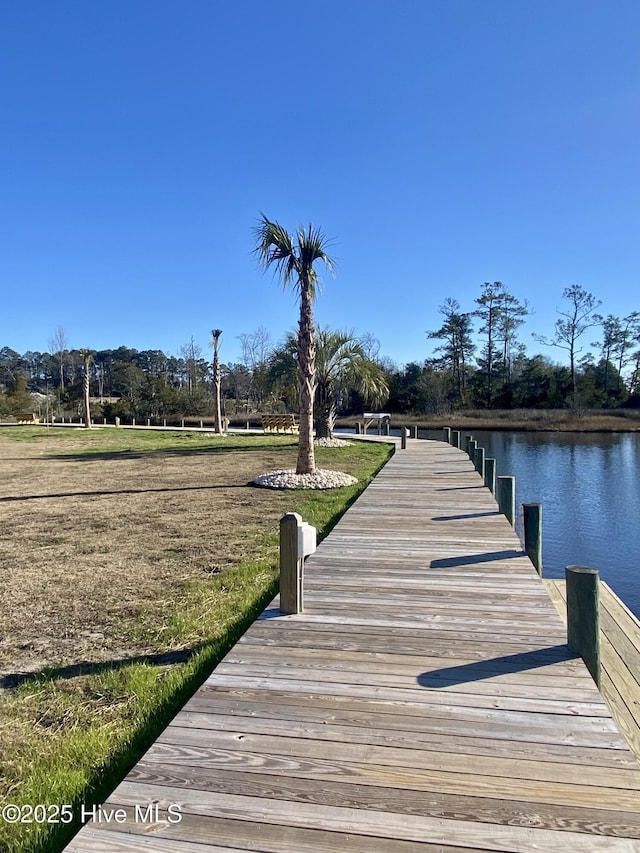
column 403, row 438
column 506, row 495
column 471, row 448
column 532, row 515
column 117, row 421
column 386, row 428
column 583, row 616
column 478, row 460
column 455, row 438
column 133, row 421
column 467, row 439
column 148, row 421
column 104, row 421
column 490, row 474
column 164, row 422
column 413, row 431
column 201, row 424
column 446, row 434
column 290, row 565
column 182, row 423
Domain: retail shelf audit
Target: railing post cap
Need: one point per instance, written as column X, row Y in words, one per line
column 295, row 515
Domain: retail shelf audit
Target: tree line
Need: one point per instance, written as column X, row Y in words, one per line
column 478, row 360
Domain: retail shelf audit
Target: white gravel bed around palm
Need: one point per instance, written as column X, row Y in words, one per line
column 332, row 442
column 288, row 479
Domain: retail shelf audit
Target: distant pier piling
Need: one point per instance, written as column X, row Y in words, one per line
column 506, row 497
column 532, row 520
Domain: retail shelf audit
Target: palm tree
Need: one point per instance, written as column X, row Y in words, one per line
column 341, row 361
column 294, row 259
column 215, row 343
column 87, row 358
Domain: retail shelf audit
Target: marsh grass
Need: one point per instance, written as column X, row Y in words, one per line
column 133, row 561
column 535, row 420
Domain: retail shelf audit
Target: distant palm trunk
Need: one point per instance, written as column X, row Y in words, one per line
column 217, row 413
column 87, row 356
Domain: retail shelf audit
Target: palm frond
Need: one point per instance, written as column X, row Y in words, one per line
column 275, row 246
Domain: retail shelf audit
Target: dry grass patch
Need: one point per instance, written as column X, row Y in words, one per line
column 90, row 541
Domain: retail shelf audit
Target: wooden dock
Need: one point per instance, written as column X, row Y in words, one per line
column 425, row 700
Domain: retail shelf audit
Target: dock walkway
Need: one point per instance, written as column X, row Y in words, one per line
column 424, row 700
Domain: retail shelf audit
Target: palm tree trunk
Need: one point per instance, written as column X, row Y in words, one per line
column 306, row 380
column 217, row 415
column 85, row 388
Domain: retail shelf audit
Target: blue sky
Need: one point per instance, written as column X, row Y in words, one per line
column 440, row 144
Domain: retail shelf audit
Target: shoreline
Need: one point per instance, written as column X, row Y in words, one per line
column 623, row 421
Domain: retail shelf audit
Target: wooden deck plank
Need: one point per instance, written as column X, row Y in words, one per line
column 424, row 700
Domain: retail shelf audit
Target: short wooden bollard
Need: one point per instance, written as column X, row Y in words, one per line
column 386, row 428
column 104, row 421
column 478, row 460
column 471, row 449
column 403, row 438
column 133, row 421
column 117, row 421
column 455, row 438
column 413, row 432
column 182, row 423
column 290, row 565
column 164, row 422
column 532, row 518
column 201, row 424
column 358, row 428
column 148, row 422
column 467, row 440
column 446, row 435
column 506, row 497
column 583, row 616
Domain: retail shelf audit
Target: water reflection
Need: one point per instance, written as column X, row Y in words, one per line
column 589, row 486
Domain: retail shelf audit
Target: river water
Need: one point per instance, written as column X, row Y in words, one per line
column 589, row 488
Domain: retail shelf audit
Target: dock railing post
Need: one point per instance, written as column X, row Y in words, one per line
column 490, row 474
column 455, row 438
column 532, row 522
column 446, row 435
column 471, row 449
column 506, row 497
column 583, row 616
column 290, row 564
column 403, row 437
column 478, row 460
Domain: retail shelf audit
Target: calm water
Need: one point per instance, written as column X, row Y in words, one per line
column 589, row 488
